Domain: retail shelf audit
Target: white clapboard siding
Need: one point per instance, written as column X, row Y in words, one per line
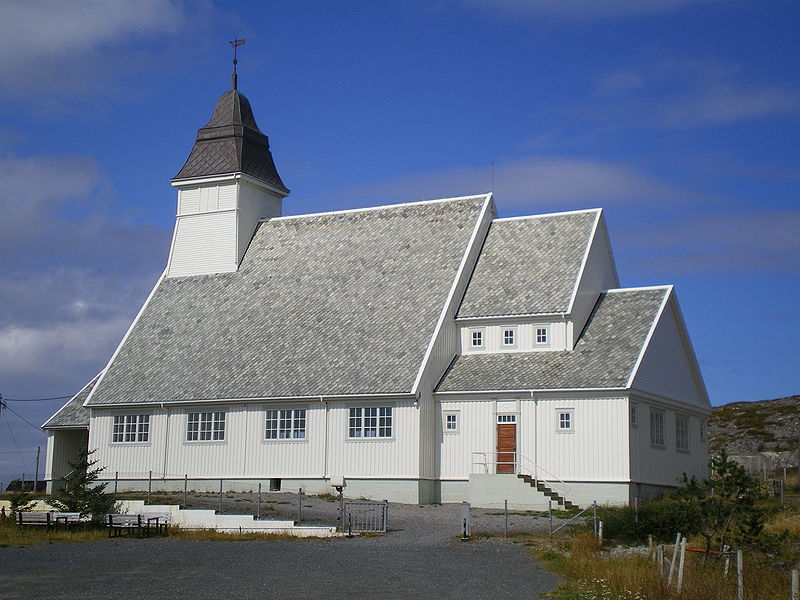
column 598, row 274
column 667, row 366
column 204, row 244
column 374, row 458
column 663, row 465
column 189, row 201
column 597, row 450
column 227, row 196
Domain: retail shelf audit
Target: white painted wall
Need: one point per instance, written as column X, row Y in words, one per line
column 525, row 339
column 599, row 273
column 63, row 446
column 203, row 243
column 667, row 367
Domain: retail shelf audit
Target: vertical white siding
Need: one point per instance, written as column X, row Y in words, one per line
column 63, row 446
column 666, row 368
column 598, row 274
column 131, row 460
column 204, row 243
column 664, row 465
column 476, row 434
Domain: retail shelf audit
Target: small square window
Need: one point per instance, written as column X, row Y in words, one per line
column 566, row 420
column 477, row 339
column 509, row 337
column 451, row 422
column 541, row 335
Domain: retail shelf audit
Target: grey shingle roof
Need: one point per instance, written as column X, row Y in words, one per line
column 329, row 304
column 231, row 142
column 604, row 356
column 73, row 414
column 528, row 266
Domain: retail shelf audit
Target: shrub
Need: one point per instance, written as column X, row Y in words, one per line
column 81, row 492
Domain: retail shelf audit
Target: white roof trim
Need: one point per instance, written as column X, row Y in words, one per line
column 584, row 260
column 125, row 337
column 534, row 390
column 88, row 383
column 373, row 208
column 451, row 295
column 653, row 326
column 544, row 215
column 512, row 316
column 317, row 397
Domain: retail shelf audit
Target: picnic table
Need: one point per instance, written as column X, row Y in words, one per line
column 142, row 524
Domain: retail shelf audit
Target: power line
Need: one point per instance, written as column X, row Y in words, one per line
column 21, row 458
column 36, row 427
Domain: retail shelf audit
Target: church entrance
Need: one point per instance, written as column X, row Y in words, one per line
column 506, row 443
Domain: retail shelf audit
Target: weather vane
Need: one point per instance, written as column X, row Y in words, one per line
column 235, row 44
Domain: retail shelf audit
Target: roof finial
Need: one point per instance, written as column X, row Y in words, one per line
column 235, row 43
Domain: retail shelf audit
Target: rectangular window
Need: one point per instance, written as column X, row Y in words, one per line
column 657, row 427
column 682, row 432
column 506, row 418
column 205, row 427
column 565, row 420
column 541, row 335
column 131, row 428
column 703, row 431
column 509, row 337
column 370, row 422
column 285, row 424
column 477, row 338
column 451, row 422
column 634, row 412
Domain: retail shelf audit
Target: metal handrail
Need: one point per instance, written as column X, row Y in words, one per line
column 517, row 464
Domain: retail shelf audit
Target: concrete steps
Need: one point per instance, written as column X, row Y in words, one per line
column 549, row 492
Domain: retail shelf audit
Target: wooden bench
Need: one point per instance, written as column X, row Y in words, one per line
column 141, row 524
column 68, row 519
column 36, row 517
column 162, row 524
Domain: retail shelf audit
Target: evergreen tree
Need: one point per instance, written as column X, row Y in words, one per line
column 81, row 492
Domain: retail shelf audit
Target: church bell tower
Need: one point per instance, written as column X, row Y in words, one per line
column 228, row 184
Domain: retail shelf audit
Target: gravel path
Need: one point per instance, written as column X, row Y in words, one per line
column 421, row 556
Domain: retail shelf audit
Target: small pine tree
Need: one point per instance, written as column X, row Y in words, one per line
column 81, row 492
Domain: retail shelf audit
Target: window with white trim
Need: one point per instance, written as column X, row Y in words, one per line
column 541, row 335
column 566, row 420
column 476, row 338
column 509, row 337
column 634, row 413
column 370, row 422
column 131, row 429
column 682, row 432
column 506, row 418
column 285, row 424
column 205, row 427
column 657, row 428
column 451, row 424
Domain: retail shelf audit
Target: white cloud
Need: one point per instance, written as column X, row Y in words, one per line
column 728, row 102
column 527, row 183
column 70, row 47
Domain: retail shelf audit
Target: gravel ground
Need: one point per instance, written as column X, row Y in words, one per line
column 421, row 556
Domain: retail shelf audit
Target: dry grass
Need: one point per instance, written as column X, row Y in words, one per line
column 593, row 574
column 13, row 535
column 785, row 521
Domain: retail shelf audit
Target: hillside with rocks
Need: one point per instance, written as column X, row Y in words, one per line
column 766, row 427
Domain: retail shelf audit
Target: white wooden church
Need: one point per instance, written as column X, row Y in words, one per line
column 426, row 352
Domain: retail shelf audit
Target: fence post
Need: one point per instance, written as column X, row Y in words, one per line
column 116, row 482
column 594, row 516
column 465, row 521
column 680, row 565
column 795, row 583
column 149, row 485
column 660, row 561
column 674, row 557
column 600, row 533
column 636, row 510
column 385, row 516
column 739, row 576
column 185, row 488
column 782, row 499
column 506, row 512
column 727, row 566
column 258, row 502
column 220, row 496
column 550, row 514
column 300, row 505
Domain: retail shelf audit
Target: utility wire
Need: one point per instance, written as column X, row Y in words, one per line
column 21, row 458
column 37, row 399
column 39, row 429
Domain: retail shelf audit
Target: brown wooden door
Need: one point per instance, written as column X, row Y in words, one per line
column 506, row 447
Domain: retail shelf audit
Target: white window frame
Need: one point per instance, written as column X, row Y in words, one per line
column 682, row 429
column 634, row 413
column 481, row 332
column 658, row 429
column 565, row 416
column 282, row 424
column 537, row 335
column 514, row 337
column 367, row 423
column 451, row 417
column 205, row 426
column 506, row 419
column 131, row 429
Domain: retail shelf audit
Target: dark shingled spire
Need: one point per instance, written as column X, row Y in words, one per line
column 231, row 142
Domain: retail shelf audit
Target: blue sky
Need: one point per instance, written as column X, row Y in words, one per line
column 679, row 117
